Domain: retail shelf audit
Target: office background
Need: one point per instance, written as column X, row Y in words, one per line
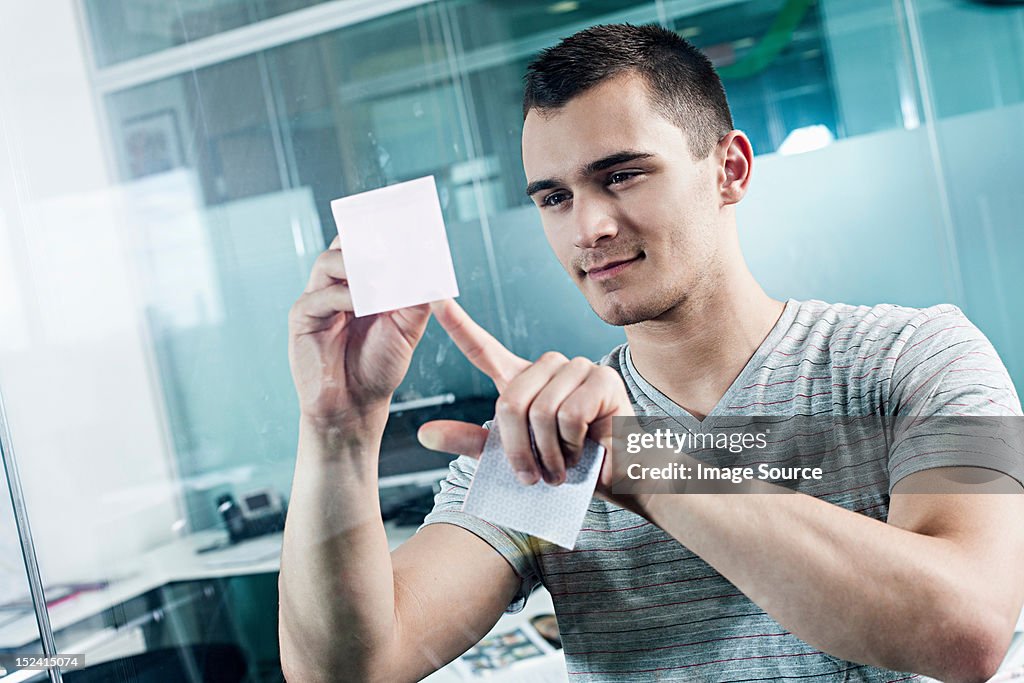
column 168, row 166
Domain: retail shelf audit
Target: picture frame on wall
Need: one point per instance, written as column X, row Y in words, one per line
column 152, row 143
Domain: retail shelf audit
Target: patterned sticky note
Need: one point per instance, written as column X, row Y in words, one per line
column 554, row 513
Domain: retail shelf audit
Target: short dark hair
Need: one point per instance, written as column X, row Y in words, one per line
column 680, row 79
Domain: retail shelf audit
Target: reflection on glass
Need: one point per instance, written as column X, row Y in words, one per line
column 19, row 631
column 145, row 313
column 125, row 29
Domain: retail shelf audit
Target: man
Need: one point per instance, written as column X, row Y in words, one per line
column 632, row 159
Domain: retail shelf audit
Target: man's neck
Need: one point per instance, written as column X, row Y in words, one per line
column 695, row 352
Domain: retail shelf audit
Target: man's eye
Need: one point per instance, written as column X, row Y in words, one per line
column 554, row 199
column 621, row 177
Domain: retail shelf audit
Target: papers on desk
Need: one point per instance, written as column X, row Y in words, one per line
column 55, row 595
column 554, row 513
column 519, row 655
column 394, row 246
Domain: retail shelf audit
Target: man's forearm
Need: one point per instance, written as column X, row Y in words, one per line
column 336, row 584
column 853, row 586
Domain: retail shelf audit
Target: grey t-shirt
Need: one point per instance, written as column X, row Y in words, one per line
column 633, row 604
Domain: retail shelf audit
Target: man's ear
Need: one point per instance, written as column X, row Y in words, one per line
column 736, row 158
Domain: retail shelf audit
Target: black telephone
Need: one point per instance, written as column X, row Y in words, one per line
column 256, row 513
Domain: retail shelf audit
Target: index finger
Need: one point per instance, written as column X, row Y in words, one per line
column 483, row 350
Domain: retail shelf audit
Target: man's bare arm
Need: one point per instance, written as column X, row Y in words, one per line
column 936, row 590
column 352, row 611
column 450, row 589
column 348, row 610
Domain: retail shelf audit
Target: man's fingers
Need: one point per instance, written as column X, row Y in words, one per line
column 512, row 411
column 556, row 399
column 482, row 349
column 558, row 433
column 601, row 431
column 321, row 304
column 328, row 269
column 452, row 436
column 604, row 385
column 518, row 410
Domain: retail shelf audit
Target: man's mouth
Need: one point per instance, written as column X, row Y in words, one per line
column 612, row 268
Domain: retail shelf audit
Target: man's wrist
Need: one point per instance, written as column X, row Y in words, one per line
column 638, row 503
column 356, row 423
column 652, row 506
column 354, row 441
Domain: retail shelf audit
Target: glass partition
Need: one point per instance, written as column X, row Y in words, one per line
column 166, row 186
column 19, row 626
column 121, row 30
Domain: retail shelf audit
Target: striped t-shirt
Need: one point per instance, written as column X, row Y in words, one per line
column 633, row 604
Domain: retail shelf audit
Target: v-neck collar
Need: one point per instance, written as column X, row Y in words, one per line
column 683, row 416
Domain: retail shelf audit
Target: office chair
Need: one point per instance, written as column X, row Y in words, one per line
column 216, row 663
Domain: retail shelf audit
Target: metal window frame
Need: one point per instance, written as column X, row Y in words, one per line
column 239, row 42
column 28, row 548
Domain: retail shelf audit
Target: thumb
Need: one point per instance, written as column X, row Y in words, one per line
column 411, row 321
column 452, row 436
column 602, row 432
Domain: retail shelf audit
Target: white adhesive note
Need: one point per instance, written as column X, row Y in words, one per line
column 554, row 513
column 394, row 246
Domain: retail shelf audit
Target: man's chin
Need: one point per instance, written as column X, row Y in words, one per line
column 621, row 314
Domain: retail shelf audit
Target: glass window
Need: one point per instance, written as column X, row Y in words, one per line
column 125, row 29
column 166, row 187
column 772, row 59
column 19, row 630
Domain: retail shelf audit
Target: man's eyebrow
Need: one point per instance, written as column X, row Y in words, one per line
column 613, row 160
column 591, row 168
column 538, row 185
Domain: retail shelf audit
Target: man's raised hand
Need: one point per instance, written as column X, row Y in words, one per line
column 563, row 401
column 345, row 368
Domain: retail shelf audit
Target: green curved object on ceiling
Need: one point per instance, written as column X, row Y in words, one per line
column 778, row 36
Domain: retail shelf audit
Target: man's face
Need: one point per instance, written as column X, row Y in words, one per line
column 629, row 213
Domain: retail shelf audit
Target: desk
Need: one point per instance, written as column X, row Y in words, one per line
column 179, row 562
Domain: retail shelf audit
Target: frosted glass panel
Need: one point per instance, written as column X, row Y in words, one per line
column 166, row 171
column 19, row 632
column 862, row 229
column 987, row 204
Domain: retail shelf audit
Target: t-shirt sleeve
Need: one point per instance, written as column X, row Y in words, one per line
column 951, row 399
column 515, row 547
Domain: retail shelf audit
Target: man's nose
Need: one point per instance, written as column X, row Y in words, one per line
column 594, row 221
